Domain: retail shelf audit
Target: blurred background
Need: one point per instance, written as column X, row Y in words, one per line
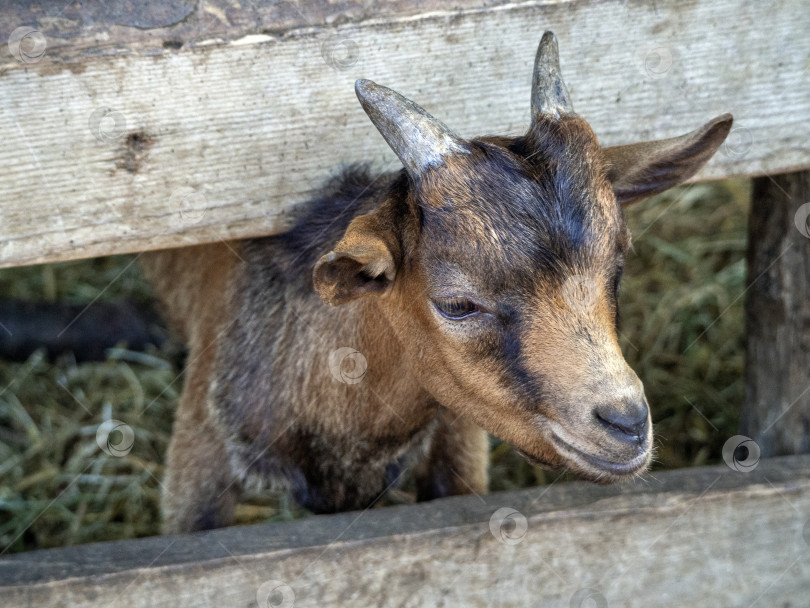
column 682, row 330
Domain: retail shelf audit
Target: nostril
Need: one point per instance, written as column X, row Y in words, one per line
column 627, row 423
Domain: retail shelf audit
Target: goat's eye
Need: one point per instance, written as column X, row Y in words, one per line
column 456, row 308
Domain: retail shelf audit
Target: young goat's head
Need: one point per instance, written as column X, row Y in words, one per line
column 498, row 261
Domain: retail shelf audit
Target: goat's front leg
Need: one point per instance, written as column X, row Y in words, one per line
column 458, row 459
column 199, row 490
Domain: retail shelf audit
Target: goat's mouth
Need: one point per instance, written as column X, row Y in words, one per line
column 598, row 469
column 585, row 463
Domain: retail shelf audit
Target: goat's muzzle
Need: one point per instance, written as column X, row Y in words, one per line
column 616, row 444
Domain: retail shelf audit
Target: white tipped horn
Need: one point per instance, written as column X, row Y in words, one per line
column 419, row 140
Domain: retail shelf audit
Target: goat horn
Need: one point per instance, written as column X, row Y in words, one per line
column 549, row 95
column 419, row 140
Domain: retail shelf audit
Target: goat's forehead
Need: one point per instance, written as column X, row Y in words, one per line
column 493, row 213
column 517, row 262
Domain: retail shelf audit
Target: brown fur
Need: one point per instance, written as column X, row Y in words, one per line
column 505, row 225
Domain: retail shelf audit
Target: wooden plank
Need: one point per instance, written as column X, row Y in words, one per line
column 708, row 537
column 151, row 27
column 776, row 410
column 111, row 150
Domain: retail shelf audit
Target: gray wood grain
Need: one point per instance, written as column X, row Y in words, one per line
column 700, row 537
column 776, row 409
column 124, row 147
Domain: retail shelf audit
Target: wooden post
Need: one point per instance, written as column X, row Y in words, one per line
column 776, row 410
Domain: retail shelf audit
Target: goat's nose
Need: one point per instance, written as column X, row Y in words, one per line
column 627, row 422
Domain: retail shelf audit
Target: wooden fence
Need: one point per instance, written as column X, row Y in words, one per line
column 699, row 537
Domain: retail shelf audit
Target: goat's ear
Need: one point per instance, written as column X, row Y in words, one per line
column 364, row 261
column 640, row 170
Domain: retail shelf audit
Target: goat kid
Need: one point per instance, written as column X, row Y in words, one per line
column 479, row 287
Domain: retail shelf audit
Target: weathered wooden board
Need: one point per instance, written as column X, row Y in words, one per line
column 152, row 26
column 699, row 537
column 776, row 409
column 124, row 145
